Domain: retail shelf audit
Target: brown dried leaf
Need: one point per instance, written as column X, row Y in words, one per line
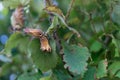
column 17, row 20
column 45, row 44
column 34, row 32
column 43, row 39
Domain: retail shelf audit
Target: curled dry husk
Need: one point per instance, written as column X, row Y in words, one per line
column 17, row 18
column 39, row 34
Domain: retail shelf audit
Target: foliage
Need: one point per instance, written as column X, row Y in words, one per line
column 77, row 56
column 79, row 39
column 44, row 60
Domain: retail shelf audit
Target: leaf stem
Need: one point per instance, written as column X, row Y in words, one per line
column 74, row 31
column 69, row 9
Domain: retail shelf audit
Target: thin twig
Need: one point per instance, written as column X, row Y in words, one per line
column 58, row 41
column 69, row 9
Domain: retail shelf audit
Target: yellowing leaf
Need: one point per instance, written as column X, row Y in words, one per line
column 55, row 10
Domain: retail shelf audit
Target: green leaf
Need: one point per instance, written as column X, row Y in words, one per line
column 12, row 42
column 23, row 44
column 96, row 46
column 117, row 34
column 15, row 3
column 102, row 69
column 116, row 42
column 24, row 2
column 114, row 69
column 28, row 76
column 5, row 69
column 38, row 6
column 116, row 13
column 53, row 26
column 87, row 5
column 90, row 74
column 61, row 74
column 43, row 60
column 16, row 40
column 49, row 77
column 11, row 3
column 75, row 58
